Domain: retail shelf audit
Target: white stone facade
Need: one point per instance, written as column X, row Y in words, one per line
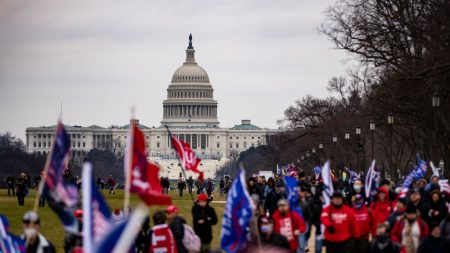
column 189, row 111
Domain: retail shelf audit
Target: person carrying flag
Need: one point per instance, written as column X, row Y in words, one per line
column 340, row 225
column 36, row 242
column 176, row 226
column 288, row 224
column 204, row 217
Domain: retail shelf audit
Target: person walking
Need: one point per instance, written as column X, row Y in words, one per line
column 176, row 225
column 10, row 183
column 362, row 220
column 204, row 217
column 111, row 183
column 190, row 184
column 288, row 224
column 380, row 209
column 36, row 242
column 340, row 225
column 21, row 189
column 181, row 186
column 160, row 236
column 221, row 186
column 409, row 231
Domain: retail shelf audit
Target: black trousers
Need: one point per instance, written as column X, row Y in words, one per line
column 338, row 247
column 21, row 199
column 11, row 188
column 360, row 245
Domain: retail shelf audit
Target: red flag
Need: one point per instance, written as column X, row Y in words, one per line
column 144, row 178
column 187, row 156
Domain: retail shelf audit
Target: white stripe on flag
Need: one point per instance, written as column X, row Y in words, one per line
column 132, row 228
column 87, row 208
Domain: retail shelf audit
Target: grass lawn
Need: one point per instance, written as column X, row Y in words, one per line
column 52, row 228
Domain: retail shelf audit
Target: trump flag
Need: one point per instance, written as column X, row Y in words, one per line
column 237, row 216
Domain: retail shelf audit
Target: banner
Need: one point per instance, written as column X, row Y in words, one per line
column 62, row 196
column 327, row 184
column 8, row 242
column 144, row 178
column 96, row 213
column 237, row 216
column 372, row 181
column 292, row 191
column 187, row 156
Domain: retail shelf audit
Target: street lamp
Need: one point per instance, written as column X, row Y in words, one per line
column 435, row 102
column 347, row 137
column 313, row 150
column 391, row 123
column 372, row 129
column 320, row 146
column 358, row 134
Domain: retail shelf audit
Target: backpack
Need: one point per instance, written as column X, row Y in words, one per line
column 191, row 241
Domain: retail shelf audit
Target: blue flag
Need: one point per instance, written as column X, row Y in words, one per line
column 237, row 216
column 328, row 188
column 372, row 181
column 292, row 191
column 96, row 213
column 421, row 170
column 62, row 196
column 8, row 242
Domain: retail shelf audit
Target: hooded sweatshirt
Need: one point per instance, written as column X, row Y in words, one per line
column 380, row 210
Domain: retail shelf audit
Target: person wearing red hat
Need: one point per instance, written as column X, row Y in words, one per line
column 204, row 217
column 160, row 236
column 176, row 226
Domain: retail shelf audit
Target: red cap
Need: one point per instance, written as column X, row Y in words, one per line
column 202, row 197
column 172, row 209
column 78, row 213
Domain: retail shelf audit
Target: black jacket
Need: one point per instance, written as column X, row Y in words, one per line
column 276, row 240
column 177, row 228
column 272, row 200
column 431, row 244
column 209, row 217
column 382, row 244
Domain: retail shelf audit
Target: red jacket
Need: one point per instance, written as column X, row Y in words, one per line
column 343, row 221
column 396, row 233
column 286, row 225
column 162, row 240
column 362, row 219
column 380, row 210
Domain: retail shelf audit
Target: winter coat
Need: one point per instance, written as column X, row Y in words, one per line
column 177, row 228
column 397, row 231
column 275, row 240
column 41, row 245
column 382, row 244
column 380, row 210
column 445, row 229
column 362, row 219
column 209, row 217
column 433, row 244
column 343, row 221
column 429, row 212
column 272, row 201
column 287, row 224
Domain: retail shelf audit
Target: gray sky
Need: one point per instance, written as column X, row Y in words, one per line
column 101, row 57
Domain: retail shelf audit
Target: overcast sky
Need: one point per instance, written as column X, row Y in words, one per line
column 100, row 58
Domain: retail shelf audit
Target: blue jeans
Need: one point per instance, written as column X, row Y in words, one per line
column 302, row 240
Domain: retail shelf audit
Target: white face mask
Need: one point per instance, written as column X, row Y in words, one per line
column 30, row 232
column 357, row 187
column 266, row 228
column 313, row 190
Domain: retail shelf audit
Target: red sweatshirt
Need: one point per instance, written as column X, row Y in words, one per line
column 286, row 225
column 343, row 221
column 397, row 231
column 362, row 219
column 380, row 210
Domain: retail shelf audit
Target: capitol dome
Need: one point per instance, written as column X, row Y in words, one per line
column 189, row 73
column 190, row 97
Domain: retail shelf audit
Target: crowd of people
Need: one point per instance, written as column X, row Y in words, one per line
column 388, row 222
column 418, row 222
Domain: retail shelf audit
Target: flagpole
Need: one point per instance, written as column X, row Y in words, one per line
column 126, row 200
column 180, row 162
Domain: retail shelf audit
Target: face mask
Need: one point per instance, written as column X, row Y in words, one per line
column 283, row 212
column 313, row 190
column 30, row 232
column 358, row 205
column 411, row 220
column 357, row 188
column 266, row 228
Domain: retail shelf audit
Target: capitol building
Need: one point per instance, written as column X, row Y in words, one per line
column 189, row 111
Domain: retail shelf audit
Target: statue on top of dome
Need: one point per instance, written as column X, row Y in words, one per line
column 190, row 42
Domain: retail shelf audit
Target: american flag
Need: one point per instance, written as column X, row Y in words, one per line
column 445, row 187
column 8, row 242
column 95, row 211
